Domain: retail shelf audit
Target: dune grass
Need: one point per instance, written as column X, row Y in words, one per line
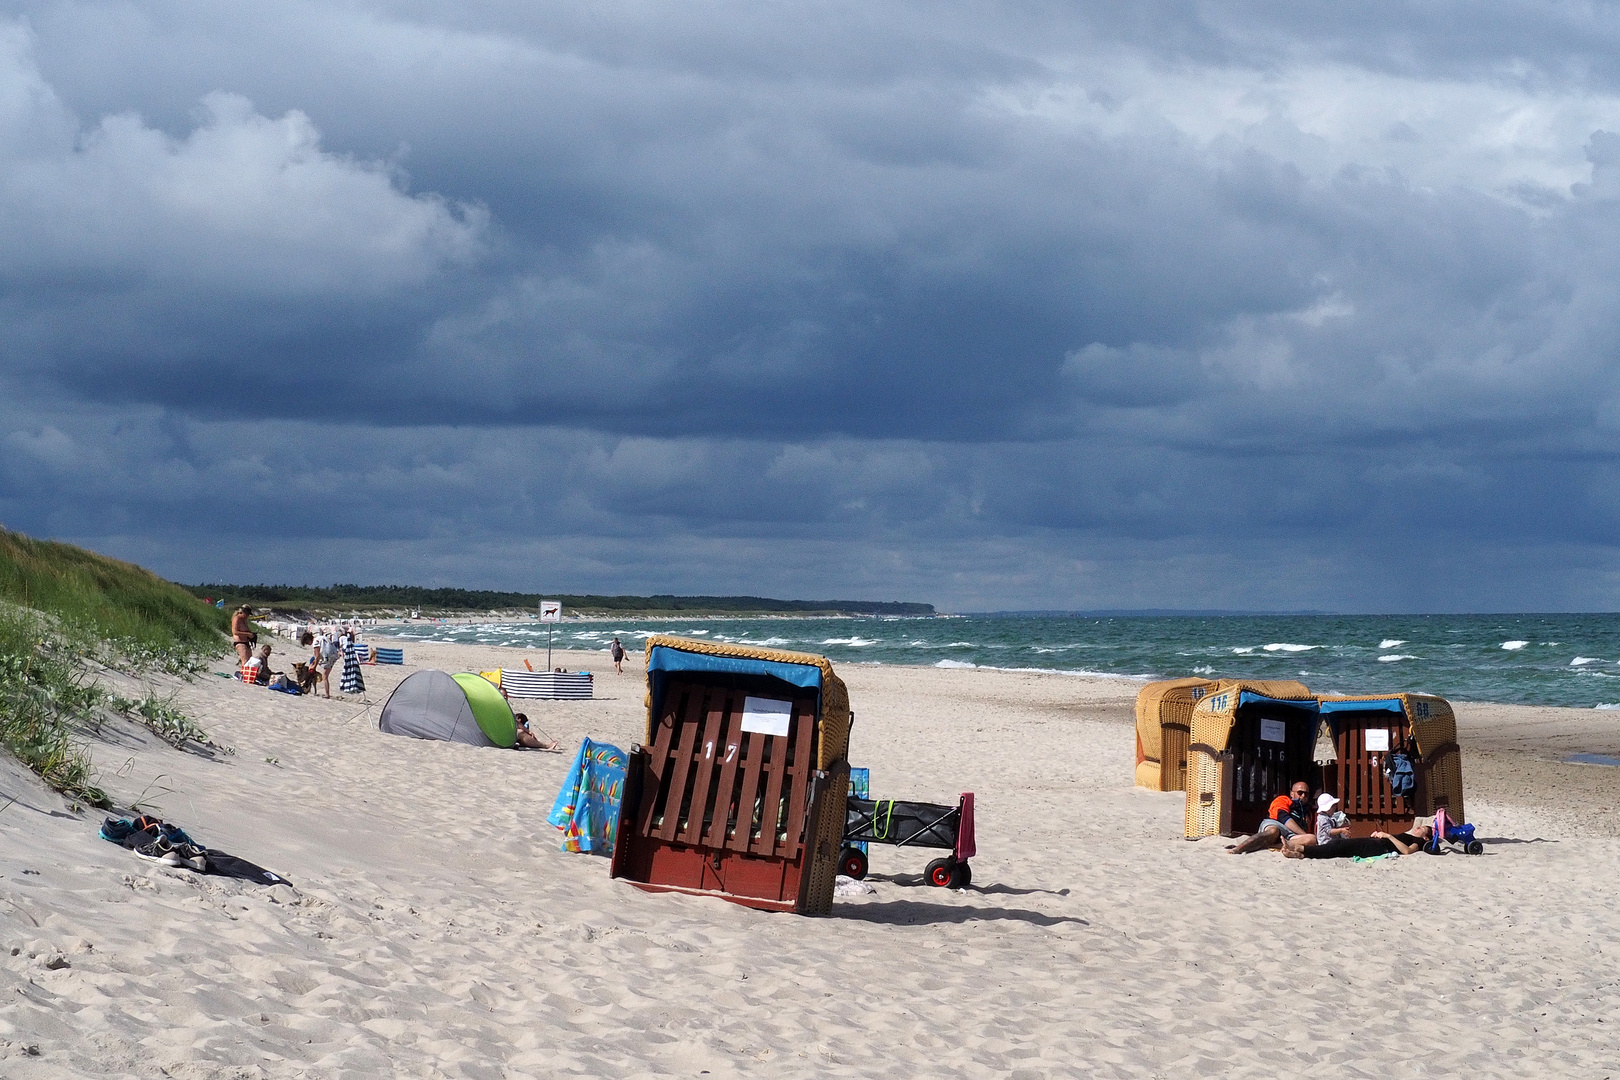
column 62, row 608
column 46, row 703
column 117, row 612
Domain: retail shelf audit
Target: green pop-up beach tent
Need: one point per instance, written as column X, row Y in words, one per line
column 460, row 708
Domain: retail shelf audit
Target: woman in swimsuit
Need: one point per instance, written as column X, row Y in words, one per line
column 242, row 635
column 1366, row 847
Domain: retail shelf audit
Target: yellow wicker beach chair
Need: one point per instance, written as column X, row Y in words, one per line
column 1163, row 730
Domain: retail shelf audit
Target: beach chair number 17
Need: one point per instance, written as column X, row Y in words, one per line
column 708, row 750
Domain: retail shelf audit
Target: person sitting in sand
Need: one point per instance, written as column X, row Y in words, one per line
column 528, row 740
column 257, row 669
column 1366, row 847
column 1287, row 820
column 1328, row 824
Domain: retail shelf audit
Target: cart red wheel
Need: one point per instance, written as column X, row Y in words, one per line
column 852, row 863
column 941, row 872
column 964, row 876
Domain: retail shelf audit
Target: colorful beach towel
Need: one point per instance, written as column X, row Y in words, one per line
column 587, row 807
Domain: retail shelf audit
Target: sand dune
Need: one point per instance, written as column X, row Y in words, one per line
column 433, row 927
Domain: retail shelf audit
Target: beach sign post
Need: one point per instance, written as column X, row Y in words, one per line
column 551, row 615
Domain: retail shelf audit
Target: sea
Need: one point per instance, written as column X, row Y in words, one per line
column 1569, row 660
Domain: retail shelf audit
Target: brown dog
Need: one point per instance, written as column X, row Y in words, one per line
column 308, row 678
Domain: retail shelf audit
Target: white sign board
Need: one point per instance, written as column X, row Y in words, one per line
column 1273, row 731
column 551, row 611
column 1377, row 739
column 767, row 716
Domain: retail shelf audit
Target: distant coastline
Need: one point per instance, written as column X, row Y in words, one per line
column 398, row 601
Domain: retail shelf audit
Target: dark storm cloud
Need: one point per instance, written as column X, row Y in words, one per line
column 1168, row 305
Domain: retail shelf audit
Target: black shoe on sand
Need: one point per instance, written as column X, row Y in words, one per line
column 159, row 851
column 192, row 857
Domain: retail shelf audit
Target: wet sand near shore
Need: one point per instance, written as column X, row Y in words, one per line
column 433, row 927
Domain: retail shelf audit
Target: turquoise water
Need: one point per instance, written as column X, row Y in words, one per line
column 1523, row 659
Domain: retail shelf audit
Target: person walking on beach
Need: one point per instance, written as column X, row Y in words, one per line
column 617, row 652
column 242, row 635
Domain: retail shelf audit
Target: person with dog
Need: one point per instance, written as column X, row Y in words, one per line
column 1289, row 817
column 328, row 651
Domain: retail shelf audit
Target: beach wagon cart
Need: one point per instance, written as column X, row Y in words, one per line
column 1367, row 733
column 912, row 824
column 739, row 788
column 1163, row 730
column 1250, row 741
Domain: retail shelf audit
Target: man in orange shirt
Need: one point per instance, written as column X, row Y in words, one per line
column 1290, row 816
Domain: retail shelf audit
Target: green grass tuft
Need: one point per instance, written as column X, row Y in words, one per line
column 62, row 607
column 46, row 702
column 113, row 611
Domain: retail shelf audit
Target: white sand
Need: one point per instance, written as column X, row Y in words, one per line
column 436, row 929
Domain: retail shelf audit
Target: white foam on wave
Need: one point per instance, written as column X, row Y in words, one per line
column 1243, row 650
column 1608, row 705
column 959, row 645
column 1283, row 646
column 1392, row 643
column 770, row 641
column 1204, row 670
column 1582, row 661
column 1514, row 646
column 1392, row 657
column 1074, row 672
column 852, row 642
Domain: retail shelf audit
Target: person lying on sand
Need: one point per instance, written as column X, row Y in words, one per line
column 1366, row 847
column 1288, row 819
column 528, row 740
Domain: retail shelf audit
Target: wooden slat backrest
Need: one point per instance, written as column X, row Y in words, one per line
column 1364, row 791
column 784, row 768
column 704, row 773
column 799, row 766
column 710, row 745
column 751, row 749
column 687, row 724
column 658, row 764
column 728, row 759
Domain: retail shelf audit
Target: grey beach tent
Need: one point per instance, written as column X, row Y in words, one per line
column 449, row 708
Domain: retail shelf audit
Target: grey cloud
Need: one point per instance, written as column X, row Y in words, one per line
column 1014, row 309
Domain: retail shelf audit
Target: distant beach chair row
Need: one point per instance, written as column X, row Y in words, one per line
column 1234, row 745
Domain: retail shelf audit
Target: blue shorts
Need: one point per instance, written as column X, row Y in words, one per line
column 1273, row 825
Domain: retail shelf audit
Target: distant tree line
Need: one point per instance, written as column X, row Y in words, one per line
column 413, row 596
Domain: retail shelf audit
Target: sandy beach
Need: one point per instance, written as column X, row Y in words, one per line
column 433, row 927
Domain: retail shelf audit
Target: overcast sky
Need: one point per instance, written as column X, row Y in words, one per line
column 1172, row 305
